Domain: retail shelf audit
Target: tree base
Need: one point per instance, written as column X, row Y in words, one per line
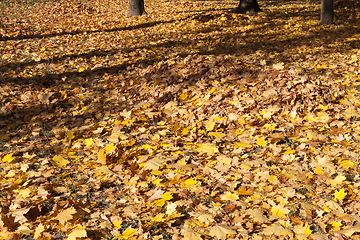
column 136, row 14
column 325, row 22
column 136, row 8
column 248, row 6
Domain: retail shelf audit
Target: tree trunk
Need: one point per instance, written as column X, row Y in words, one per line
column 136, row 7
column 327, row 12
column 248, row 6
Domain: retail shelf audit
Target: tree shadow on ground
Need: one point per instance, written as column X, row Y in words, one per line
column 76, row 32
column 217, row 42
column 245, row 42
column 209, row 10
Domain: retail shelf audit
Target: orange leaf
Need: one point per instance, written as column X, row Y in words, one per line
column 102, row 156
column 244, row 192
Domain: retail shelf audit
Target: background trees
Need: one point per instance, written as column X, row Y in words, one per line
column 136, row 8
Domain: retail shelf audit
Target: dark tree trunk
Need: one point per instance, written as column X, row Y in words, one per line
column 327, row 12
column 248, row 6
column 136, row 7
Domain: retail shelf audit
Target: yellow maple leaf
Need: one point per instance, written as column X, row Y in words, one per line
column 190, row 181
column 270, row 126
column 243, row 145
column 261, row 142
column 346, row 164
column 109, row 148
column 182, row 162
column 129, row 232
column 77, row 233
column 60, row 161
column 217, row 134
column 207, row 148
column 336, row 225
column 8, row 158
column 167, row 196
column 158, row 218
column 279, row 210
column 318, row 170
column 102, row 156
column 230, row 196
column 117, row 223
column 289, row 151
column 185, row 131
column 340, row 195
column 210, row 125
column 66, row 215
column 164, row 197
column 241, row 121
column 89, row 142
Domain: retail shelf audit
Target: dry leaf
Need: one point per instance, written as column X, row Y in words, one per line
column 221, row 231
column 77, row 233
column 102, row 156
column 66, row 215
column 278, row 66
column 207, row 148
column 60, row 161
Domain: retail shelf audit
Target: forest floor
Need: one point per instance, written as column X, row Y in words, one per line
column 191, row 122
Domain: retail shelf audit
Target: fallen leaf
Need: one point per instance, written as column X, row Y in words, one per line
column 102, row 156
column 8, row 158
column 190, row 182
column 340, row 195
column 207, row 148
column 129, row 232
column 66, row 215
column 39, row 230
column 60, row 161
column 278, row 66
column 77, row 233
column 190, row 234
column 221, row 231
column 229, row 196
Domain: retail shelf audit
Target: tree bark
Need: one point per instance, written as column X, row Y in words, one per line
column 136, row 8
column 327, row 12
column 248, row 6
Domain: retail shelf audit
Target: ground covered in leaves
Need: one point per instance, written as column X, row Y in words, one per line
column 188, row 123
